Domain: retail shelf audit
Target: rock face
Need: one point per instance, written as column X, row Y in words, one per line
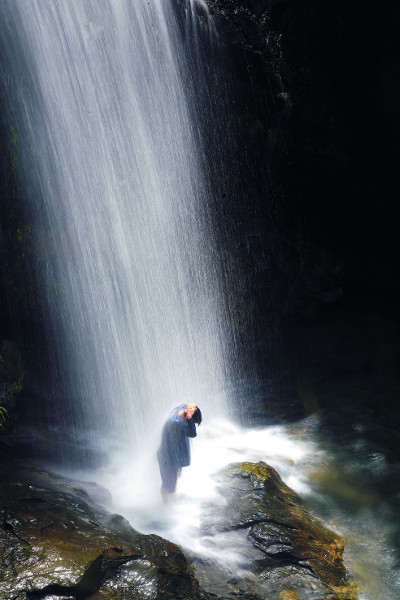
column 56, row 542
column 293, row 555
column 331, row 98
column 323, row 285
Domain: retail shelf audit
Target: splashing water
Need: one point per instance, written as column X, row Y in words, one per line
column 302, row 462
column 136, row 486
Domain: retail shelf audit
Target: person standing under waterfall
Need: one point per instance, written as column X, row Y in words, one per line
column 174, row 451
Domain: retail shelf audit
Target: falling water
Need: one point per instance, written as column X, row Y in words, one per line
column 113, row 165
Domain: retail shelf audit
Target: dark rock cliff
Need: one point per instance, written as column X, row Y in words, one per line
column 321, row 82
column 328, row 75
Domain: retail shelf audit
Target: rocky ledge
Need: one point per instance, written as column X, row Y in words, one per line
column 56, row 542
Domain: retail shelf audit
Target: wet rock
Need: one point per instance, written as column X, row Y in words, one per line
column 56, row 542
column 300, row 556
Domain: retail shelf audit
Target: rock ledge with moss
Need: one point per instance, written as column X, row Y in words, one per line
column 290, row 556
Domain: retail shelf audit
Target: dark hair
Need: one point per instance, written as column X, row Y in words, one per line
column 197, row 418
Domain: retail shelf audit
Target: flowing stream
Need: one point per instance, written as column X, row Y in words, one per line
column 109, row 99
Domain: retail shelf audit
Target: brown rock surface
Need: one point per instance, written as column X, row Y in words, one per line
column 300, row 557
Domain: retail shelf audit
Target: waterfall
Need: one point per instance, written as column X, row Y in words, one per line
column 118, row 149
column 112, row 163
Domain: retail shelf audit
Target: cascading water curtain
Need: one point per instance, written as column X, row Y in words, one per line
column 110, row 163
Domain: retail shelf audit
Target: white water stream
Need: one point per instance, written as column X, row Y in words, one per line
column 112, row 164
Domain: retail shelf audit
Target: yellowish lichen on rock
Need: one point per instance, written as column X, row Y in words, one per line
column 289, row 595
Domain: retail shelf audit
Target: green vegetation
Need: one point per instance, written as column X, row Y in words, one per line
column 14, row 136
column 7, row 394
column 11, row 376
column 3, row 416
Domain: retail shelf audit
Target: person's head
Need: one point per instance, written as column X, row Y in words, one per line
column 197, row 418
column 192, row 411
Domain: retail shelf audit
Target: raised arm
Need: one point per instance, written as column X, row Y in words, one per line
column 191, row 428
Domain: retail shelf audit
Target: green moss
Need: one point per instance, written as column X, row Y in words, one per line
column 13, row 136
column 255, row 470
column 14, row 161
column 23, row 232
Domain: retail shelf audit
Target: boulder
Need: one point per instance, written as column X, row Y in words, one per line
column 294, row 555
column 55, row 542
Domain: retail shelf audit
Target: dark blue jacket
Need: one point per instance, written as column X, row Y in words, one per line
column 174, row 450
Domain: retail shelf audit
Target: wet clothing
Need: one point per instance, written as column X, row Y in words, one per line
column 174, row 451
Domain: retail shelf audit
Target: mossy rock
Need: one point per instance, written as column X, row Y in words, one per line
column 299, row 553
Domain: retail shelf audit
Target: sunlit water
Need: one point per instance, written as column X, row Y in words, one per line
column 298, row 455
